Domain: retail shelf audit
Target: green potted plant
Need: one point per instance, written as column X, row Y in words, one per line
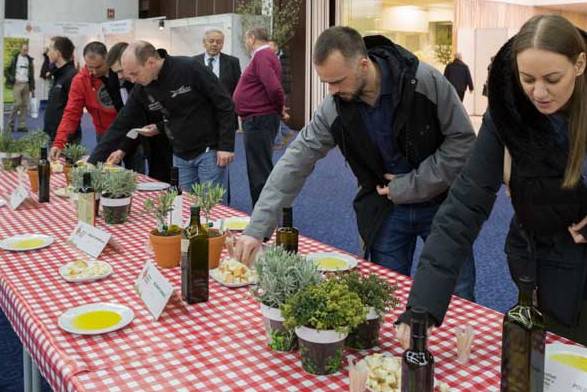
column 378, row 296
column 10, row 155
column 322, row 315
column 165, row 238
column 72, row 153
column 206, row 196
column 31, row 147
column 281, row 274
column 117, row 189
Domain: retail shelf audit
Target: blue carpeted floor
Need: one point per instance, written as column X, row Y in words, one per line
column 322, row 211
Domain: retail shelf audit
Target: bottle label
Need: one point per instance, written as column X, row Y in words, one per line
column 86, row 211
column 176, row 213
column 185, row 245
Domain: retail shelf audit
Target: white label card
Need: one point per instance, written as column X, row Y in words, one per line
column 153, row 289
column 17, row 197
column 89, row 239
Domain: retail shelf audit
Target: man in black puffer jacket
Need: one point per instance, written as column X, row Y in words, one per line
column 529, row 114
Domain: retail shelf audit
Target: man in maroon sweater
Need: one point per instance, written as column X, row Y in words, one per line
column 260, row 102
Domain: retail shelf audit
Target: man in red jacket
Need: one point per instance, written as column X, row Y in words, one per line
column 260, row 101
column 88, row 90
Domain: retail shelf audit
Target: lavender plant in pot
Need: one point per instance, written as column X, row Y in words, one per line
column 117, row 189
column 165, row 238
column 378, row 296
column 322, row 315
column 281, row 274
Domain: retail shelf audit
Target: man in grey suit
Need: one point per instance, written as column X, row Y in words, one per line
column 226, row 67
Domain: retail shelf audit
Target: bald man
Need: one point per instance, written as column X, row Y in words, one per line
column 195, row 112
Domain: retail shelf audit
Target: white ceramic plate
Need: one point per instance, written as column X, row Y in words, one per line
column 216, row 275
column 95, row 270
column 234, row 223
column 152, row 186
column 346, row 262
column 24, row 242
column 2, row 202
column 95, row 319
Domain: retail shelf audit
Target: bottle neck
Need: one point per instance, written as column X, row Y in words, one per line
column 287, row 217
column 418, row 336
column 174, row 180
column 195, row 219
column 525, row 296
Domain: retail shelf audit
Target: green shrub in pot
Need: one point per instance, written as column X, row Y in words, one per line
column 322, row 315
column 165, row 238
column 10, row 151
column 378, row 296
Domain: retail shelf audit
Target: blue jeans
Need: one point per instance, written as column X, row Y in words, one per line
column 201, row 169
column 395, row 243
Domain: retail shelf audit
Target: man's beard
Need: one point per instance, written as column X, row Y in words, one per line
column 355, row 95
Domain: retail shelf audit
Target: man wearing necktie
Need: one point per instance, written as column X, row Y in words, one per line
column 226, row 67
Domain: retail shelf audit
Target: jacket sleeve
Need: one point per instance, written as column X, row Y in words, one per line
column 209, row 85
column 289, row 174
column 436, row 173
column 237, row 74
column 132, row 115
column 73, row 112
column 469, row 80
column 31, row 74
column 457, row 224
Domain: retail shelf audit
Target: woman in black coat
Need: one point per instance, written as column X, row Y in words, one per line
column 538, row 111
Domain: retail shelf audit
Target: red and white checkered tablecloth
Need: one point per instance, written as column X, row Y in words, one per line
column 216, row 346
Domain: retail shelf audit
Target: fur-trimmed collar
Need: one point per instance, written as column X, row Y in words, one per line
column 526, row 132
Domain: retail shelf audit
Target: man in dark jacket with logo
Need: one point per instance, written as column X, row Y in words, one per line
column 459, row 76
column 402, row 130
column 60, row 54
column 20, row 76
column 197, row 113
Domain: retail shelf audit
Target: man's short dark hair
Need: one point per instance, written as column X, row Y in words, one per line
column 64, row 46
column 344, row 39
column 143, row 51
column 96, row 48
column 260, row 33
column 115, row 53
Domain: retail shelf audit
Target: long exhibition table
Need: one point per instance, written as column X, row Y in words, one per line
column 215, row 346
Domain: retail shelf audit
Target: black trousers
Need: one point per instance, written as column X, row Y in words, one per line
column 259, row 133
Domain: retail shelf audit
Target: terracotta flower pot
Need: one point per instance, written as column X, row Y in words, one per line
column 321, row 351
column 67, row 169
column 115, row 211
column 366, row 335
column 34, row 179
column 216, row 245
column 278, row 337
column 167, row 249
